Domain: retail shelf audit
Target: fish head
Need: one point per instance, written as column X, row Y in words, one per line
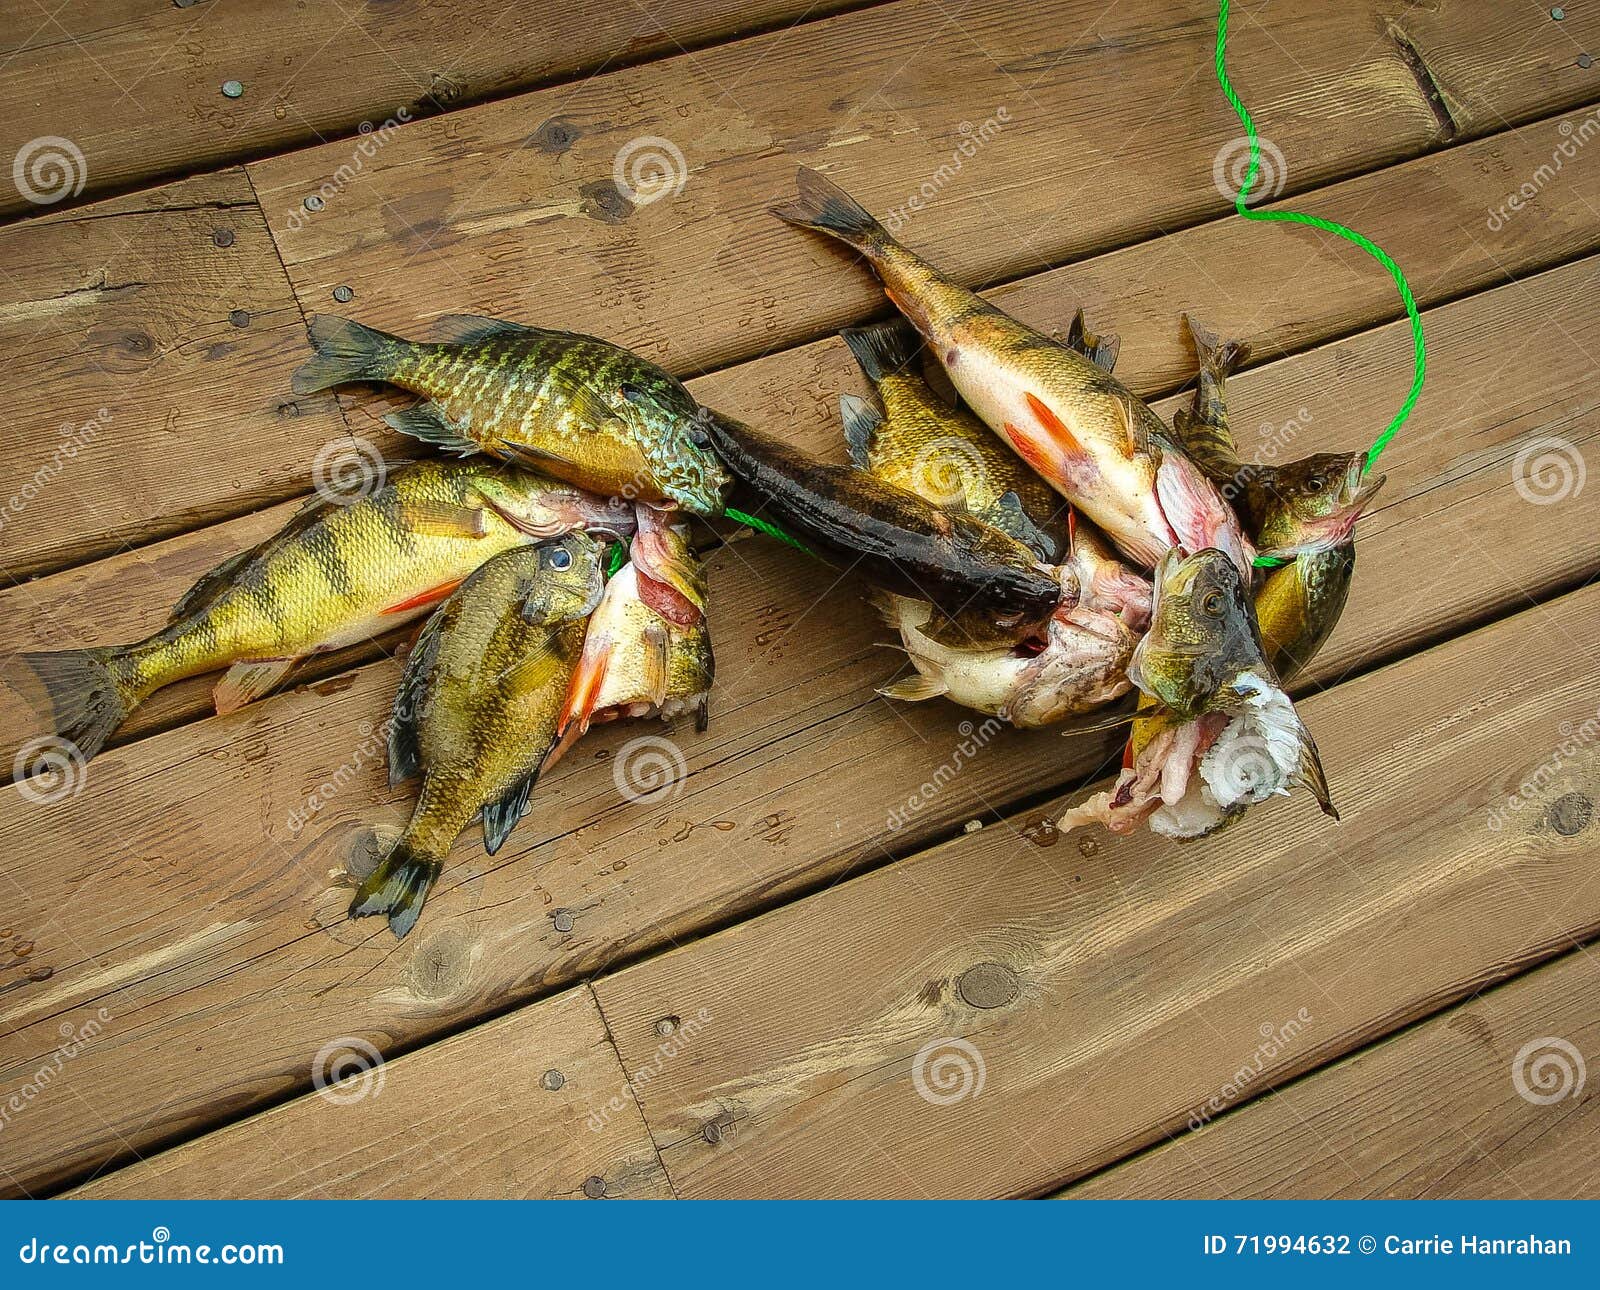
column 542, row 507
column 682, row 457
column 565, row 581
column 1202, row 633
column 1311, row 504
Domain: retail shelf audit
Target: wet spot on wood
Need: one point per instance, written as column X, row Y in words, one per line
column 604, row 201
column 1088, row 847
column 1042, row 832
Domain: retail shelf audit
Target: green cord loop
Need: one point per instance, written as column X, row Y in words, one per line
column 1419, row 353
column 764, row 526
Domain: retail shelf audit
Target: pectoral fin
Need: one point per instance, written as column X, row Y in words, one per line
column 914, row 689
column 426, row 422
column 861, row 422
column 499, row 818
column 444, row 519
column 245, row 682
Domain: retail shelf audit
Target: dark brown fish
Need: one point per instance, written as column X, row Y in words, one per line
column 987, row 586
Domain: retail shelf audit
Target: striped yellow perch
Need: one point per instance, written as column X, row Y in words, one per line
column 344, row 569
column 580, row 408
column 476, row 712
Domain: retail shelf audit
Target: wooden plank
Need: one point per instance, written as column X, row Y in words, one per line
column 136, row 85
column 174, row 890
column 1285, row 290
column 1432, row 1113
column 546, row 1077
column 143, row 356
column 991, row 1018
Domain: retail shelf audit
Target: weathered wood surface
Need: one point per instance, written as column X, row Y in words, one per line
column 141, row 356
column 202, row 911
column 1240, row 278
column 136, row 85
column 992, row 1018
column 1434, row 1113
column 544, row 1082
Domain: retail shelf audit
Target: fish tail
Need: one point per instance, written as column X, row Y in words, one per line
column 884, row 348
column 821, row 204
column 397, row 888
column 345, row 351
column 91, row 692
column 1204, row 431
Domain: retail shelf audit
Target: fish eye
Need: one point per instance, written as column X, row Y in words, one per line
column 1316, row 483
column 558, row 557
column 1213, row 603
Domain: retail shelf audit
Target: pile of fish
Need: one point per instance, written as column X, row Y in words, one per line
column 1047, row 548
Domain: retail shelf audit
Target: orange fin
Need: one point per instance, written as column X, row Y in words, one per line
column 1029, row 451
column 1054, row 426
column 245, row 682
column 423, row 599
column 583, row 691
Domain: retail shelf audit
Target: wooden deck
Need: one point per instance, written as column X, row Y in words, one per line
column 751, row 985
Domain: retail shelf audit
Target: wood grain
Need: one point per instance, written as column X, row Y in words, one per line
column 141, row 357
column 1283, row 289
column 991, row 1018
column 137, row 84
column 546, row 1078
column 1432, row 1113
column 175, row 891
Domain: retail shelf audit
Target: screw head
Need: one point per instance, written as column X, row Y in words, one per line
column 562, row 919
column 594, row 1187
column 552, row 1080
column 666, row 1025
column 1558, row 14
column 313, row 203
column 233, row 89
column 343, row 294
column 239, row 318
column 222, row 237
column 1585, row 60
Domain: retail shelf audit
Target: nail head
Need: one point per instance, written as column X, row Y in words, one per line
column 666, row 1025
column 562, row 918
column 552, row 1080
column 312, row 203
column 1558, row 14
column 1584, row 60
column 343, row 294
column 222, row 237
column 239, row 318
column 232, row 89
column 594, row 1187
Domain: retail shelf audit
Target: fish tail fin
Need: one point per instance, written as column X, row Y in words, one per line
column 1218, row 358
column 821, row 204
column 91, row 692
column 345, row 351
column 1311, row 774
column 397, row 888
column 884, row 348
